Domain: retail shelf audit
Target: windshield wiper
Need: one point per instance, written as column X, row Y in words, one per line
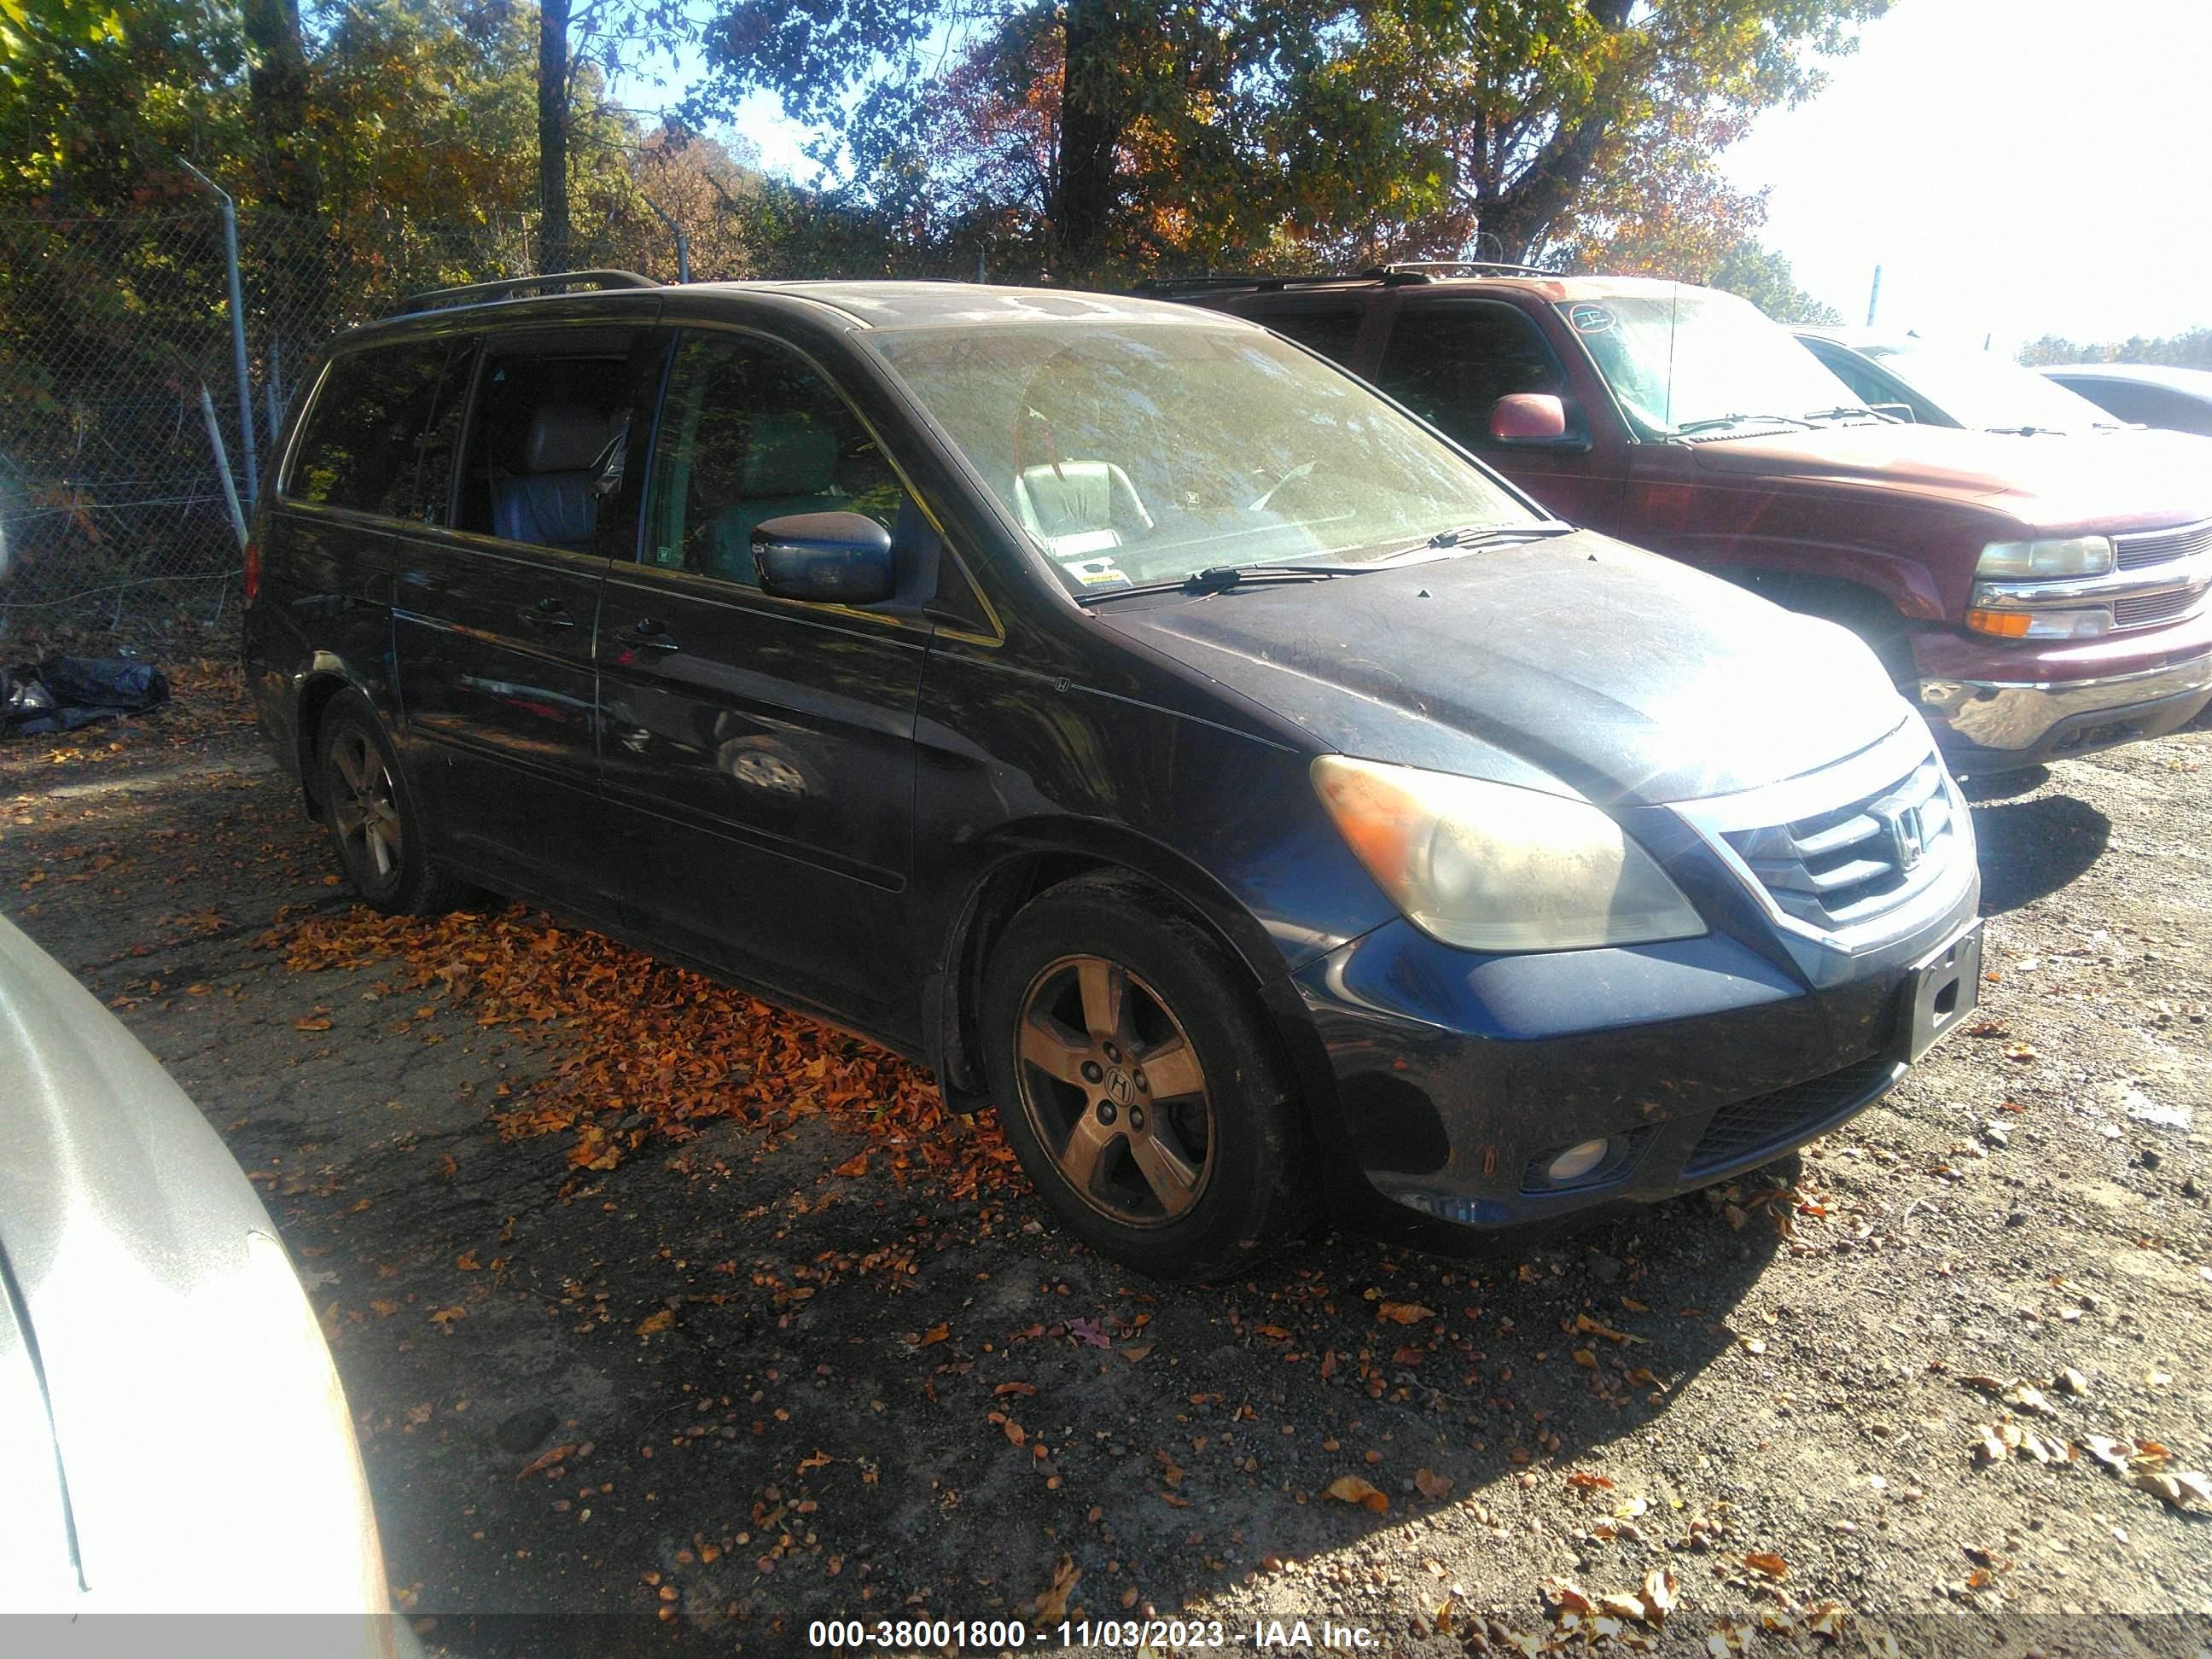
column 2026, row 431
column 1219, row 579
column 1844, row 411
column 1467, row 536
column 1719, row 421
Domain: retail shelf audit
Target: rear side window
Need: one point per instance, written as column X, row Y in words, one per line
column 362, row 447
column 1333, row 331
column 1450, row 365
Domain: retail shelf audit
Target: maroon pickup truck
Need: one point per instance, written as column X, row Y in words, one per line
column 2034, row 600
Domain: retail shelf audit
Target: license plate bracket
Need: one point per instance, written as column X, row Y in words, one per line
column 1941, row 990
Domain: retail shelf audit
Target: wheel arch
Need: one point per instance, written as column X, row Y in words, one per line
column 1025, row 861
column 319, row 684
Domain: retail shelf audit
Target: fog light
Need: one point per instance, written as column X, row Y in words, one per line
column 1575, row 1162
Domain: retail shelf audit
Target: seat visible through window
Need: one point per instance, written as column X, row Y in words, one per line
column 547, row 494
column 748, row 432
column 790, row 466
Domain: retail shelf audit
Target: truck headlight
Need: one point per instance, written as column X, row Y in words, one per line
column 1487, row 867
column 2071, row 555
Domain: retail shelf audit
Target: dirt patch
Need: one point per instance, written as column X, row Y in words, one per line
column 740, row 1377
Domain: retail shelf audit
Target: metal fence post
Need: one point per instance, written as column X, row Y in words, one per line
column 246, row 422
column 683, row 242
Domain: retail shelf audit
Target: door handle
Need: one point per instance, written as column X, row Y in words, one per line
column 648, row 633
column 548, row 612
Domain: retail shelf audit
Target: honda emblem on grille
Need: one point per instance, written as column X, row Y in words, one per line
column 1903, row 827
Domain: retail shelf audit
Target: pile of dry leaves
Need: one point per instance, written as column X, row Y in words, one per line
column 648, row 1049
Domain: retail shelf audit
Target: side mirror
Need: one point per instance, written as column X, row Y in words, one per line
column 825, row 558
column 1895, row 411
column 1529, row 417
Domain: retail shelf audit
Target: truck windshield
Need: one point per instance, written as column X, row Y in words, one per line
column 1694, row 360
column 1135, row 452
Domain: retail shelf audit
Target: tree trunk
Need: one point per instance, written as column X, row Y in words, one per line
column 1090, row 119
column 276, row 95
column 288, row 261
column 553, row 136
column 1521, row 217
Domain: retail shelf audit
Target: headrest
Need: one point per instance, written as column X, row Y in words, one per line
column 790, row 455
column 565, row 438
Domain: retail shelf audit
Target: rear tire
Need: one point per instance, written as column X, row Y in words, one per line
column 1137, row 1081
column 378, row 832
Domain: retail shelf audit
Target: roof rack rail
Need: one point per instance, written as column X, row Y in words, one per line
column 1199, row 284
column 469, row 294
column 1429, row 270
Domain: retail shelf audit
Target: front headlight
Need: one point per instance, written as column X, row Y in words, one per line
column 2071, row 555
column 1487, row 867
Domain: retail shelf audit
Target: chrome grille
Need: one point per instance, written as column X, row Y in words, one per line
column 1853, row 862
column 2145, row 608
column 2158, row 546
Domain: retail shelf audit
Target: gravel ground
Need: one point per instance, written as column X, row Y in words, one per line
column 709, row 1377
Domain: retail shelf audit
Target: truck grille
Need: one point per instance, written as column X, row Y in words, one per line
column 2158, row 546
column 2147, row 608
column 1773, row 1123
column 1855, row 861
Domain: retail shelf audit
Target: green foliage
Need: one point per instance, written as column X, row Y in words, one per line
column 1764, row 277
column 97, row 99
column 2191, row 349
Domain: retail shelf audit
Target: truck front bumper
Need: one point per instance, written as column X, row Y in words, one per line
column 1997, row 705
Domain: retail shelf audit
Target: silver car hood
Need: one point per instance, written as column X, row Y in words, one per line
column 173, row 1436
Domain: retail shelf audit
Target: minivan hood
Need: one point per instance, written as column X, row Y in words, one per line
column 1577, row 664
column 2060, row 486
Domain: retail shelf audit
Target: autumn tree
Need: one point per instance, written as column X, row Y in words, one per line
column 1149, row 130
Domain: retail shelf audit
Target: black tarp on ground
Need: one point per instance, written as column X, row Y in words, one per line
column 62, row 693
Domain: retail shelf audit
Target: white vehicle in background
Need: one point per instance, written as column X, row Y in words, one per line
column 173, row 1438
column 1951, row 385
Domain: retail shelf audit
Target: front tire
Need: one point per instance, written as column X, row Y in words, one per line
column 1137, row 1082
column 368, row 809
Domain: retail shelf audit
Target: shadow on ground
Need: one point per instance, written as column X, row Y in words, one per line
column 2032, row 847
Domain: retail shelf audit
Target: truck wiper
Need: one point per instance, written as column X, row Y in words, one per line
column 1719, row 421
column 2026, row 431
column 1843, row 411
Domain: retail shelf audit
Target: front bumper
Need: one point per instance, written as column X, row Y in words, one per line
column 1998, row 725
column 1996, row 705
column 1457, row 1078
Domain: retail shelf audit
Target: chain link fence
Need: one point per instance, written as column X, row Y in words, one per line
column 123, row 432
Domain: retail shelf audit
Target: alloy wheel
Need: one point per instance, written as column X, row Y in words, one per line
column 367, row 807
column 1114, row 1091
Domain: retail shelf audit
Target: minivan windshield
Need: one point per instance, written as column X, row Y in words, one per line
column 1697, row 361
column 1138, row 452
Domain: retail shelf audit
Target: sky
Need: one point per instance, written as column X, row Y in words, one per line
column 2017, row 167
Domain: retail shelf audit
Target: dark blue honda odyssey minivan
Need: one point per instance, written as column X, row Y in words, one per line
column 1187, row 753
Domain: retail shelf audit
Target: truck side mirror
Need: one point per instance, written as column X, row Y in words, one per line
column 1529, row 417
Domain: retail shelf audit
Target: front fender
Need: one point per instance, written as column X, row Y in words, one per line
column 1903, row 582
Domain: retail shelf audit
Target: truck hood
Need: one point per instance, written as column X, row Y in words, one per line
column 2061, row 484
column 165, row 1389
column 1577, row 665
